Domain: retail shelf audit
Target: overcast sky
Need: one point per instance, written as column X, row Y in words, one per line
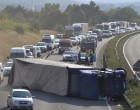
column 114, row 1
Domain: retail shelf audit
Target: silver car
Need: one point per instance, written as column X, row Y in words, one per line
column 20, row 99
column 7, row 68
column 70, row 55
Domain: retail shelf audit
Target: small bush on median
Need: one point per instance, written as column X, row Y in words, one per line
column 19, row 29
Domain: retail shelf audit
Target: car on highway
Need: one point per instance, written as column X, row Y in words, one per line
column 17, row 52
column 107, row 33
column 49, row 41
column 29, row 54
column 99, row 33
column 113, row 31
column 42, row 46
column 81, row 58
column 57, row 43
column 32, row 49
column 74, row 41
column 70, row 55
column 7, row 68
column 38, row 51
column 20, row 99
column 59, row 36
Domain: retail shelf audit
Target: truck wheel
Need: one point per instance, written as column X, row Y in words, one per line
column 59, row 52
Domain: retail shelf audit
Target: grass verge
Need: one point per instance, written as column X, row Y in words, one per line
column 9, row 39
column 133, row 89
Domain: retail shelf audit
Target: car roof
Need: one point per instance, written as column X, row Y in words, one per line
column 69, row 51
column 9, row 62
column 17, row 48
column 41, row 42
column 20, row 90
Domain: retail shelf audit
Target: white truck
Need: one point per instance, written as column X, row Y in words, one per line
column 107, row 26
column 80, row 28
column 49, row 40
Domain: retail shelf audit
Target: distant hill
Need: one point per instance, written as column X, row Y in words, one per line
column 38, row 4
column 107, row 6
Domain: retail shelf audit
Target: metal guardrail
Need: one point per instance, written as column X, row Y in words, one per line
column 122, row 39
column 130, row 107
column 123, row 52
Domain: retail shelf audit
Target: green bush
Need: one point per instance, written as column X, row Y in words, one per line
column 19, row 29
column 59, row 28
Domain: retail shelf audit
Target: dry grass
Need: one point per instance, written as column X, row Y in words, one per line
column 9, row 39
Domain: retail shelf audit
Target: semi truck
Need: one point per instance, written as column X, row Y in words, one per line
column 65, row 43
column 133, row 25
column 100, row 26
column 107, row 26
column 80, row 28
column 69, row 30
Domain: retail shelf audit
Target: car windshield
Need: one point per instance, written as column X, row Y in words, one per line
column 56, row 41
column 17, row 55
column 8, row 65
column 105, row 31
column 40, row 44
column 72, row 38
column 87, row 45
column 21, row 94
column 94, row 34
column 46, row 40
column 68, row 52
column 82, row 54
column 65, row 44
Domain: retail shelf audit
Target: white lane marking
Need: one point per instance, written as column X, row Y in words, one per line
column 109, row 107
column 97, row 52
column 102, row 44
column 126, row 57
column 59, row 107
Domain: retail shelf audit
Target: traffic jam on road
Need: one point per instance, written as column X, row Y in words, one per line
column 77, row 52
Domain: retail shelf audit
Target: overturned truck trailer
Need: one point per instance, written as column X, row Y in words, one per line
column 43, row 75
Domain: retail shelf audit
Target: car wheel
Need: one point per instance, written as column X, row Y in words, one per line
column 7, row 105
column 11, row 108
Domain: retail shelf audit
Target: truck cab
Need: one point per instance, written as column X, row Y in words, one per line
column 64, row 44
column 49, row 40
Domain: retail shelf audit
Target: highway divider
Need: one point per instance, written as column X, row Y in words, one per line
column 127, row 36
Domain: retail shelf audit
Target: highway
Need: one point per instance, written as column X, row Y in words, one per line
column 99, row 53
column 46, row 101
column 131, row 50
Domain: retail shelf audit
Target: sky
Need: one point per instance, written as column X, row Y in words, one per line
column 112, row 1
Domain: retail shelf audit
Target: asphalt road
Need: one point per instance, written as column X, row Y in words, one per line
column 46, row 101
column 131, row 50
column 99, row 53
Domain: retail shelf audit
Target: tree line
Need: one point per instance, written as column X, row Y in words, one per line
column 52, row 17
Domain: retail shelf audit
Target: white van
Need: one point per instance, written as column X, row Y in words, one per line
column 17, row 52
column 49, row 40
column 32, row 49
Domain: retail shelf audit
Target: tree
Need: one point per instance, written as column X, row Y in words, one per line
column 122, row 14
column 51, row 16
column 75, row 14
column 92, row 12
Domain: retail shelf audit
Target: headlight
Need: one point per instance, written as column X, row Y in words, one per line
column 30, row 102
column 15, row 101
